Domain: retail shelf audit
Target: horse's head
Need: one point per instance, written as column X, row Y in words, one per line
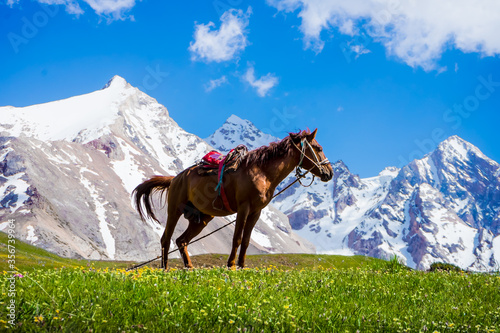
column 312, row 157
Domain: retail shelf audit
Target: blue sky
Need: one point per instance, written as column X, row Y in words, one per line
column 383, row 81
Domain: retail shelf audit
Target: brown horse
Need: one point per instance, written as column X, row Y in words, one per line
column 249, row 189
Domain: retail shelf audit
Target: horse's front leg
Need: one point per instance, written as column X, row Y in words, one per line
column 238, row 232
column 247, row 232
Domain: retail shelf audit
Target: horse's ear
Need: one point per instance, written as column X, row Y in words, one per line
column 311, row 136
column 296, row 137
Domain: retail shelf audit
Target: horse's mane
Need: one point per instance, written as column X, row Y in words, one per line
column 278, row 149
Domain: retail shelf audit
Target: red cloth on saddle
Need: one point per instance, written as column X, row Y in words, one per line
column 213, row 159
column 222, row 191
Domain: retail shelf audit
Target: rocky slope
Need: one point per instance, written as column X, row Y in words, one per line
column 67, row 169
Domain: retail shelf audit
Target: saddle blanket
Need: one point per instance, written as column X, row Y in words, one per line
column 212, row 159
column 210, row 163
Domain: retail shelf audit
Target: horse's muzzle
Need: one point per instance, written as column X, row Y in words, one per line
column 326, row 175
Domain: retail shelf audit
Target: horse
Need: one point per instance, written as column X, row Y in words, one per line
column 248, row 190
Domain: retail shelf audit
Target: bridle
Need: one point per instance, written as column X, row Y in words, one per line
column 316, row 161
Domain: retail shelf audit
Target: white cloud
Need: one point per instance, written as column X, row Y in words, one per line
column 357, row 49
column 224, row 44
column 112, row 9
column 72, row 7
column 263, row 84
column 417, row 32
column 212, row 84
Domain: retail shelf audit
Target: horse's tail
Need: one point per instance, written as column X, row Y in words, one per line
column 146, row 189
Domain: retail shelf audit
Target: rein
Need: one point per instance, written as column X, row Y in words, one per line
column 298, row 174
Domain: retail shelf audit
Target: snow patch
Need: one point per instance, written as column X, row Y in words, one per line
column 4, row 225
column 100, row 210
column 495, row 246
column 15, row 187
column 128, row 169
column 5, row 152
column 31, row 237
column 261, row 239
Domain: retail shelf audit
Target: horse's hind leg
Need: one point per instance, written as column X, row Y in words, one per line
column 173, row 216
column 194, row 228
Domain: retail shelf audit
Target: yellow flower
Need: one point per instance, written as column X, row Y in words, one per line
column 231, row 321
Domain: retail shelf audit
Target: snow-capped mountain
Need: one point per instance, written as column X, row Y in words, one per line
column 237, row 131
column 67, row 169
column 442, row 208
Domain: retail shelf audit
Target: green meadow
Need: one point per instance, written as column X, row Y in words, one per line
column 278, row 293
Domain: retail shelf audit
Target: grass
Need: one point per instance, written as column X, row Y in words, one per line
column 281, row 293
column 28, row 256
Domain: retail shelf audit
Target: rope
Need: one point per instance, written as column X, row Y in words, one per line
column 298, row 174
column 198, row 239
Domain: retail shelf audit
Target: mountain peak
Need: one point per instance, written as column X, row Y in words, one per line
column 458, row 147
column 340, row 165
column 242, row 124
column 235, row 119
column 82, row 118
column 236, row 131
column 117, row 81
column 389, row 171
column 454, row 139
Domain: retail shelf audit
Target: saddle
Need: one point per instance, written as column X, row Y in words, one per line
column 213, row 161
